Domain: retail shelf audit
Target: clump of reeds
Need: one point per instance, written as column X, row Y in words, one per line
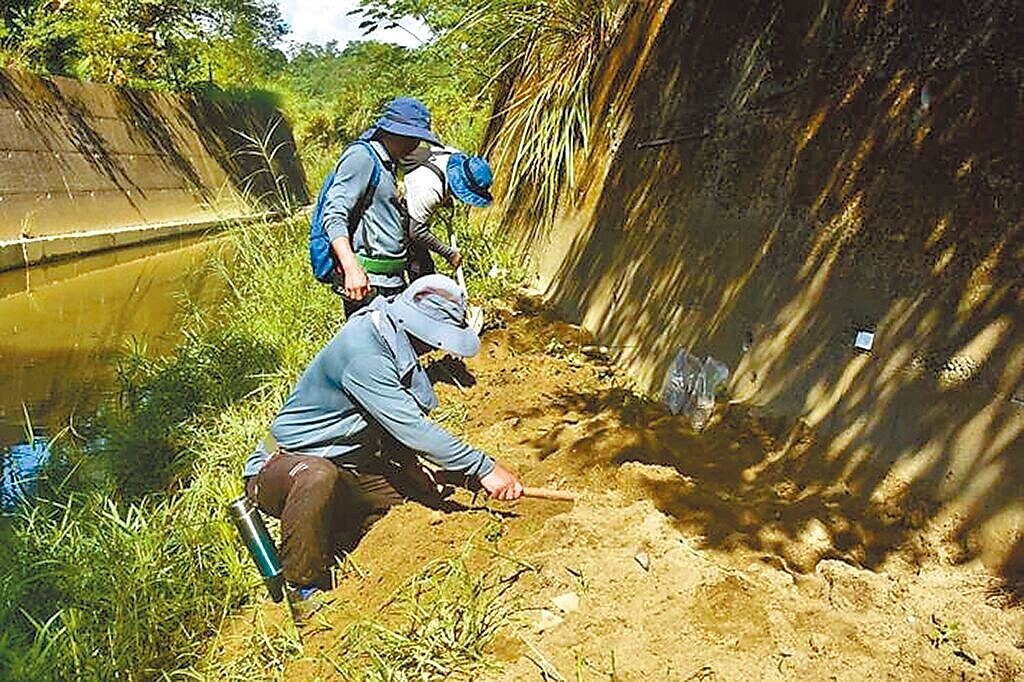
column 267, row 182
column 548, row 117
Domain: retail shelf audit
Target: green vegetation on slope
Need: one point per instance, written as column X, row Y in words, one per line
column 144, row 43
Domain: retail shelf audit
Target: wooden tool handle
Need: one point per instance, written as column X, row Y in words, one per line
column 549, row 494
column 458, row 271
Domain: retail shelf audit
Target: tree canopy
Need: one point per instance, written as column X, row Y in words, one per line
column 156, row 43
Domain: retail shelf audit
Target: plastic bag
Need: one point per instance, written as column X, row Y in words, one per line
column 691, row 386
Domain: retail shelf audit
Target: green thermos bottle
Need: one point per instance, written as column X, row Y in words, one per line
column 250, row 526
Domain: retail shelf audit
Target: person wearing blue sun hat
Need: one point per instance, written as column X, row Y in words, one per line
column 434, row 176
column 360, row 208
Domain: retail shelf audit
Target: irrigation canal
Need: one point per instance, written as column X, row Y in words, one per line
column 62, row 326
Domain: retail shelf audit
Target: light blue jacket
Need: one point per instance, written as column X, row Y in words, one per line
column 381, row 232
column 365, row 381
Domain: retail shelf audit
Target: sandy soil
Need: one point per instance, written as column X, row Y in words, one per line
column 676, row 562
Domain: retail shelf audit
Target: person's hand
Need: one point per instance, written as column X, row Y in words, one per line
column 357, row 284
column 502, row 484
column 456, row 259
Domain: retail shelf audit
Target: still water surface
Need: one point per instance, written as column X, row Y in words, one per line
column 62, row 325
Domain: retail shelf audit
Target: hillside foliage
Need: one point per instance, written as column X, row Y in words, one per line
column 144, row 43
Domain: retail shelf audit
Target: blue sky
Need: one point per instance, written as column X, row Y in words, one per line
column 320, row 21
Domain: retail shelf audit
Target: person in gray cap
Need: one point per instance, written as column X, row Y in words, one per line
column 343, row 448
column 434, row 176
column 370, row 251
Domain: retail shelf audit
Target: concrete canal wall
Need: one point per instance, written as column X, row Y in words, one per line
column 87, row 167
column 766, row 182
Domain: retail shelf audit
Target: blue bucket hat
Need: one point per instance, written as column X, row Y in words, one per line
column 470, row 179
column 405, row 116
column 433, row 309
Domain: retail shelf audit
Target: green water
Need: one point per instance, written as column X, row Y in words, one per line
column 62, row 325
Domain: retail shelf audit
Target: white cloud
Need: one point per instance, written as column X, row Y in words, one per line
column 321, row 21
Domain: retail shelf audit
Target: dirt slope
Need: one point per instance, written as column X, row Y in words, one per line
column 676, row 562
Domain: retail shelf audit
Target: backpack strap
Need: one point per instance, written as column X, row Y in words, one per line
column 363, row 203
column 441, row 175
column 437, row 171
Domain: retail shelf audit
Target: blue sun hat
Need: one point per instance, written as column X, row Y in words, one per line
column 433, row 309
column 405, row 116
column 470, row 179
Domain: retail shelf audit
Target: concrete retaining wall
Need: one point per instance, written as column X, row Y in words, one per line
column 767, row 180
column 87, row 167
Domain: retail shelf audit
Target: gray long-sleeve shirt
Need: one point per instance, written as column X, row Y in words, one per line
column 349, row 395
column 381, row 232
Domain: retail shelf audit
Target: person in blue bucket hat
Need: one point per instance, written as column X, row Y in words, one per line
column 434, row 176
column 470, row 178
column 365, row 222
column 406, row 117
column 345, row 446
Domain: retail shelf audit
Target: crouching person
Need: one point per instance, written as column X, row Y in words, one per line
column 344, row 447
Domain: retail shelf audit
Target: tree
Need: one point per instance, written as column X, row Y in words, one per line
column 162, row 43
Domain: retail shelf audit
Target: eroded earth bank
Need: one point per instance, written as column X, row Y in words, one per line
column 687, row 556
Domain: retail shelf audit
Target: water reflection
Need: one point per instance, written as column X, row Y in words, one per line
column 19, row 472
column 61, row 326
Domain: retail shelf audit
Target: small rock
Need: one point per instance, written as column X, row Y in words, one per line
column 644, row 560
column 514, row 421
column 436, row 518
column 567, row 603
column 818, row 642
column 546, row 620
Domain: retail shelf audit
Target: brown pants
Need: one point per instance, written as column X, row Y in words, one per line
column 326, row 507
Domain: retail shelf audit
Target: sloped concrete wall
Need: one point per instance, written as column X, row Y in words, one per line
column 770, row 178
column 86, row 166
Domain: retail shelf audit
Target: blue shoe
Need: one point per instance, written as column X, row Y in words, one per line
column 304, row 601
column 305, row 592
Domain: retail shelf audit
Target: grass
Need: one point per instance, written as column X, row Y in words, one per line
column 492, row 266
column 442, row 622
column 126, row 562
column 263, row 148
column 438, row 625
column 548, row 119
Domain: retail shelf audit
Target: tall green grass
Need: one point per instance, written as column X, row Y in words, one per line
column 549, row 118
column 127, row 562
column 541, row 58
